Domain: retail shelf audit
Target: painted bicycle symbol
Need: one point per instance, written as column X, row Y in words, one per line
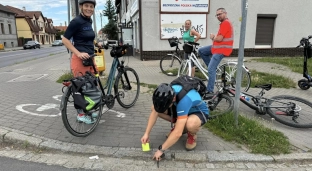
column 51, row 109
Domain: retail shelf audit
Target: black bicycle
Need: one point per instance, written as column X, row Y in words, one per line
column 126, row 90
column 289, row 110
column 170, row 63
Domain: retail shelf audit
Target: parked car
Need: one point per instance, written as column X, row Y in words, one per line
column 31, row 45
column 57, row 43
column 112, row 42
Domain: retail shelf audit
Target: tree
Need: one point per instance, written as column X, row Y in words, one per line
column 58, row 34
column 110, row 28
column 110, row 10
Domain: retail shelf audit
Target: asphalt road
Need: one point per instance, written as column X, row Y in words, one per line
column 13, row 57
column 8, row 164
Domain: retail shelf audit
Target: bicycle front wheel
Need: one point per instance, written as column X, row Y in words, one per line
column 127, row 87
column 170, row 64
column 220, row 105
column 231, row 74
column 290, row 110
column 70, row 113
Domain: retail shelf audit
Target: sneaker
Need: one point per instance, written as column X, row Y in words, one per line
column 191, row 141
column 184, row 132
column 85, row 119
column 208, row 95
column 94, row 115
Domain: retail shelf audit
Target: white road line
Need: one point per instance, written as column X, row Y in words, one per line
column 20, row 108
column 19, row 54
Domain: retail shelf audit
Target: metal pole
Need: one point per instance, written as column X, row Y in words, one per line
column 76, row 7
column 68, row 10
column 94, row 25
column 101, row 25
column 240, row 59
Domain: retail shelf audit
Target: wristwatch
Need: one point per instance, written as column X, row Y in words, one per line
column 160, row 149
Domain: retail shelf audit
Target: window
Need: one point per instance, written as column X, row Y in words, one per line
column 2, row 29
column 10, row 29
column 265, row 30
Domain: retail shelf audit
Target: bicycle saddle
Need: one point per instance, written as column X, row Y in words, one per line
column 267, row 87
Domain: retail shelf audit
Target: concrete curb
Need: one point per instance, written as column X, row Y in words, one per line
column 16, row 136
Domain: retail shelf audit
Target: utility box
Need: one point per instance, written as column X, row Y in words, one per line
column 1, row 47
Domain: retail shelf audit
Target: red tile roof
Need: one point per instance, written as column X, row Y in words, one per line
column 5, row 9
column 61, row 28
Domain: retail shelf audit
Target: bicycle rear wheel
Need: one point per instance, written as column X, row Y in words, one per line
column 170, row 64
column 69, row 116
column 184, row 69
column 127, row 87
column 220, row 105
column 290, row 110
column 231, row 73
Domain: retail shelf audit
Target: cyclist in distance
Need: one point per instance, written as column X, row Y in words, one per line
column 80, row 29
column 188, row 115
column 189, row 36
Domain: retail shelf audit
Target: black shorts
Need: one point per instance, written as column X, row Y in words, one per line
column 200, row 115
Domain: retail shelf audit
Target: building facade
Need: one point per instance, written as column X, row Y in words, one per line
column 274, row 28
column 8, row 34
column 32, row 25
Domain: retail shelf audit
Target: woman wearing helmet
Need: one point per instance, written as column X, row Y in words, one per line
column 191, row 113
column 81, row 32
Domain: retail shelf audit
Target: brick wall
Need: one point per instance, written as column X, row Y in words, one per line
column 250, row 52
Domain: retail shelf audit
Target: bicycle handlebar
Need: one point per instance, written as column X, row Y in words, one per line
column 114, row 46
column 304, row 40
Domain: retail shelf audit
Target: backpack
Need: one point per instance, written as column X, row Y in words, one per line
column 188, row 83
column 86, row 93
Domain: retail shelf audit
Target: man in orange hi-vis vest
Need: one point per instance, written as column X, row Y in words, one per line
column 222, row 46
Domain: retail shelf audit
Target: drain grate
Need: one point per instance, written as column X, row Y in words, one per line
column 33, row 77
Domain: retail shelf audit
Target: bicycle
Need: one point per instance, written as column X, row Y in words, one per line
column 230, row 67
column 172, row 60
column 171, row 63
column 289, row 110
column 125, row 83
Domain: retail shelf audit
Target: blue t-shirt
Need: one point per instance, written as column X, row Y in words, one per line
column 80, row 29
column 190, row 103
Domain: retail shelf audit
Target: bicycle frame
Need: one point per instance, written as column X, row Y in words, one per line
column 258, row 105
column 112, row 72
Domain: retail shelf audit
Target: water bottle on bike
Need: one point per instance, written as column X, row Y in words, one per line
column 244, row 96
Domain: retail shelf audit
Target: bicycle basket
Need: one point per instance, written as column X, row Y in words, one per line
column 173, row 41
column 188, row 48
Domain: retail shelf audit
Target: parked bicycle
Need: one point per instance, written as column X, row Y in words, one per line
column 126, row 90
column 289, row 110
column 171, row 63
column 230, row 68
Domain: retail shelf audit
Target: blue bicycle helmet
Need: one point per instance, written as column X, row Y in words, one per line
column 163, row 97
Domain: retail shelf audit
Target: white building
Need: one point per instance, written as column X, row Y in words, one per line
column 274, row 28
